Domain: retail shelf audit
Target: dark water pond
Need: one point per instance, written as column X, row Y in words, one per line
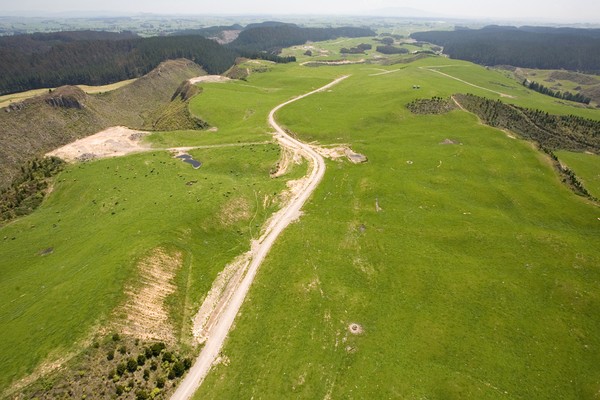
column 188, row 159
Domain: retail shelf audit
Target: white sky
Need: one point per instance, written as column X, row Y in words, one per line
column 555, row 10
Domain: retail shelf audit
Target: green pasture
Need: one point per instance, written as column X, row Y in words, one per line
column 478, row 277
column 586, row 167
column 497, row 81
column 547, row 77
column 330, row 50
column 104, row 215
column 100, row 219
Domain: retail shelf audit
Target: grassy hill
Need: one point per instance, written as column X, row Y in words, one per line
column 468, row 267
column 472, row 270
column 41, row 124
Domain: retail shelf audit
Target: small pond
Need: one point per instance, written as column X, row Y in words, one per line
column 188, row 159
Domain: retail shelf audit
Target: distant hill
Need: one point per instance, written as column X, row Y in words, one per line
column 38, row 125
column 97, row 58
column 530, row 47
column 271, row 36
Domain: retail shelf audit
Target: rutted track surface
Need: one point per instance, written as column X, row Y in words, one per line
column 288, row 213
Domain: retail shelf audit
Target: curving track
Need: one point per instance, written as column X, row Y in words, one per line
column 260, row 248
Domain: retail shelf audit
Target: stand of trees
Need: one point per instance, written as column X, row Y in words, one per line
column 98, row 58
column 538, row 87
column 99, row 62
column 549, row 132
column 553, row 132
column 360, row 49
column 387, row 49
column 277, row 36
column 530, row 47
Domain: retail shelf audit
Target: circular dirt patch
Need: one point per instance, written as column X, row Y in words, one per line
column 355, row 329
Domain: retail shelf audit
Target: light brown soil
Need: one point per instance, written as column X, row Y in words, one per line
column 227, row 36
column 145, row 313
column 210, row 79
column 338, row 152
column 112, row 142
column 288, row 158
column 217, row 298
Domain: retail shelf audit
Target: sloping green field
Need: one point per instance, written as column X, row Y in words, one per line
column 587, row 168
column 478, row 278
column 471, row 270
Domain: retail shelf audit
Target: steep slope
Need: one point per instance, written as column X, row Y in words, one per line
column 38, row 125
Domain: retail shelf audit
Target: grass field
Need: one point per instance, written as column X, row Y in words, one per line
column 562, row 81
column 100, row 219
column 472, row 270
column 478, row 278
column 586, row 167
column 499, row 82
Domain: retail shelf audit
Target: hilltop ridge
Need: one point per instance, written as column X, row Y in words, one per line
column 40, row 124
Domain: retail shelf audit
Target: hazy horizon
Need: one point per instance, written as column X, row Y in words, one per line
column 576, row 11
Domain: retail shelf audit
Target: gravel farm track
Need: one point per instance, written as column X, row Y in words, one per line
column 260, row 248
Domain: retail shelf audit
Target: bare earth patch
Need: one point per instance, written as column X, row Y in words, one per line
column 336, row 153
column 210, row 79
column 145, row 313
column 288, row 158
column 111, row 142
column 218, row 297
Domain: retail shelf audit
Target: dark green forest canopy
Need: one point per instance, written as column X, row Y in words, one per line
column 97, row 58
column 529, row 47
column 284, row 35
column 99, row 62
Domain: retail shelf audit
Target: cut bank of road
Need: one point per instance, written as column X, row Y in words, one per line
column 288, row 213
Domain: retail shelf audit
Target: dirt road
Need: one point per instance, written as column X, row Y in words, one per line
column 288, row 213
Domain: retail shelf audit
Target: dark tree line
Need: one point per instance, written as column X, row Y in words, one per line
column 538, row 87
column 99, row 62
column 549, row 132
column 360, row 49
column 270, row 38
column 98, row 58
column 553, row 132
column 530, row 47
column 387, row 49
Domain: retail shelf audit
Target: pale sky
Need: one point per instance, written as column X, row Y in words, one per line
column 550, row 10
